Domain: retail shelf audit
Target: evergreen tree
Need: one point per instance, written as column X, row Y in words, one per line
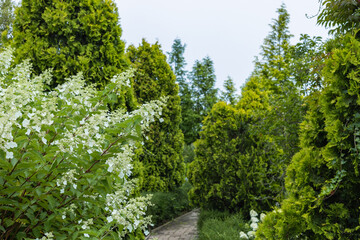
column 323, row 177
column 204, row 94
column 163, row 144
column 229, row 95
column 177, row 62
column 70, row 37
column 7, row 16
column 281, row 123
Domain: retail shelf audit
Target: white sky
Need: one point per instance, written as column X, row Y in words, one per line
column 229, row 31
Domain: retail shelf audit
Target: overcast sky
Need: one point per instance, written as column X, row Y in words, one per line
column 229, row 31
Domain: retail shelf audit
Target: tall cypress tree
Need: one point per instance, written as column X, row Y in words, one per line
column 70, row 36
column 178, row 63
column 161, row 155
column 204, row 93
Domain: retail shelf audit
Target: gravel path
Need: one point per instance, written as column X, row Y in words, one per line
column 181, row 228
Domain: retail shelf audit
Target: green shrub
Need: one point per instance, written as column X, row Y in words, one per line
column 65, row 161
column 323, row 178
column 166, row 206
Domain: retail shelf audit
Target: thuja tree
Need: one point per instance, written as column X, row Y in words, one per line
column 163, row 144
column 229, row 171
column 69, row 37
column 65, row 161
column 323, row 177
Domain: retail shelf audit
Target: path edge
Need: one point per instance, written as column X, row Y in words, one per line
column 165, row 224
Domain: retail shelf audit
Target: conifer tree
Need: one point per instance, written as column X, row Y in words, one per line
column 204, row 94
column 229, row 95
column 323, row 177
column 70, row 37
column 163, row 144
column 178, row 63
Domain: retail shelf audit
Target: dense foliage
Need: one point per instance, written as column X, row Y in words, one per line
column 70, row 37
column 65, row 161
column 229, row 171
column 323, row 177
column 161, row 154
column 341, row 15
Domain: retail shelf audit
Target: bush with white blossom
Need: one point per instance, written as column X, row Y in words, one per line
column 65, row 159
column 253, row 225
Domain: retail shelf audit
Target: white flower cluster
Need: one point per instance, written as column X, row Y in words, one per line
column 128, row 212
column 5, row 60
column 149, row 112
column 70, row 209
column 123, row 79
column 15, row 104
column 254, row 225
column 48, row 236
column 121, row 162
column 72, row 122
column 67, row 178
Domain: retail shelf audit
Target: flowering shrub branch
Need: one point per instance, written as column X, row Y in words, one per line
column 65, row 160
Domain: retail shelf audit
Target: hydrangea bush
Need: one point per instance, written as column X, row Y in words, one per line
column 65, row 159
column 253, row 225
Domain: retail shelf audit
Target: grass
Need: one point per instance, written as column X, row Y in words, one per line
column 215, row 225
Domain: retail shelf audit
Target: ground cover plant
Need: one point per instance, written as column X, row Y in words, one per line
column 65, row 159
column 221, row 225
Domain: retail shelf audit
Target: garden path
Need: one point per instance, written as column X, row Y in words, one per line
column 181, row 228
